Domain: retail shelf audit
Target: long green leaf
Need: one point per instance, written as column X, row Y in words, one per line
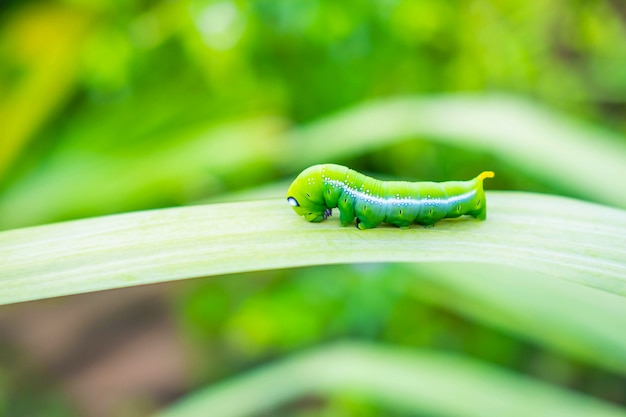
column 560, row 237
column 415, row 381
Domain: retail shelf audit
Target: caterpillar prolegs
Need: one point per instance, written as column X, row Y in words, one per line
column 320, row 188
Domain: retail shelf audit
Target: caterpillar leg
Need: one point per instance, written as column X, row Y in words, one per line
column 345, row 220
column 346, row 216
column 362, row 225
column 480, row 212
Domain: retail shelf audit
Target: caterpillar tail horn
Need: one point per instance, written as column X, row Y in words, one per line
column 481, row 202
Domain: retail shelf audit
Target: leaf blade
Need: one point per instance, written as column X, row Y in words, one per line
column 163, row 245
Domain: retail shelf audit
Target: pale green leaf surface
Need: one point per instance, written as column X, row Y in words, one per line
column 412, row 380
column 574, row 240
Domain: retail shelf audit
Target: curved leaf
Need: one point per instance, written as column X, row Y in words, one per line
column 560, row 237
column 412, row 380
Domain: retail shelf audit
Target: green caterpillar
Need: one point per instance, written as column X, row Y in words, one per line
column 320, row 188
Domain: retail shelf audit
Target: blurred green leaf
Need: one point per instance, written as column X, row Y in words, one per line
column 575, row 320
column 79, row 180
column 412, row 380
column 560, row 237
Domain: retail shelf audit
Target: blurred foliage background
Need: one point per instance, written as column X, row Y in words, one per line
column 109, row 106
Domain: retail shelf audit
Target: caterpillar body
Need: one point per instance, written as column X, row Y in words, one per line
column 320, row 188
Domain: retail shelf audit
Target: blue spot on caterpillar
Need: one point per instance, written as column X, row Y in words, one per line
column 320, row 188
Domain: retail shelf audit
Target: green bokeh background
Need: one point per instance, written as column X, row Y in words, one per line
column 111, row 106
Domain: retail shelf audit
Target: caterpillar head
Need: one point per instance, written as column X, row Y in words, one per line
column 306, row 197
